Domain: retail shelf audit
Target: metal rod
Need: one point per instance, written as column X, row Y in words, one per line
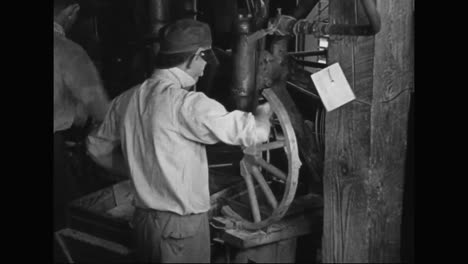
column 195, row 9
column 311, row 64
column 303, row 90
column 64, row 248
column 219, row 165
column 309, row 53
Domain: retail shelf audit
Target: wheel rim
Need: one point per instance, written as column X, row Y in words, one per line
column 253, row 164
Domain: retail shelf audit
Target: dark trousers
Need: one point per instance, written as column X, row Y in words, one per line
column 65, row 186
column 164, row 237
column 75, row 174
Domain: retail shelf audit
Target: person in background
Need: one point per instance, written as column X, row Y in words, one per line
column 78, row 97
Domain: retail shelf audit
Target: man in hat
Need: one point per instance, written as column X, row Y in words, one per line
column 78, row 94
column 163, row 133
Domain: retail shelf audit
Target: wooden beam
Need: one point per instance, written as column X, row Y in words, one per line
column 393, row 84
column 347, row 146
column 365, row 140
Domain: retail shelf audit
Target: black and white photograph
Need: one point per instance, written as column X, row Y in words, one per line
column 233, row 131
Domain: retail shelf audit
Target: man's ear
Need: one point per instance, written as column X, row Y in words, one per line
column 75, row 8
column 71, row 10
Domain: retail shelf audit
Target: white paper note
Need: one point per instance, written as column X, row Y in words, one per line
column 332, row 86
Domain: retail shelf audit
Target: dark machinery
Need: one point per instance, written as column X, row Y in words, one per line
column 260, row 74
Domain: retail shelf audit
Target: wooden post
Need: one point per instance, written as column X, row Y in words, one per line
column 393, row 84
column 366, row 140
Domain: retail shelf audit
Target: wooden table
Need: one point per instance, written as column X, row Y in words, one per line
column 276, row 243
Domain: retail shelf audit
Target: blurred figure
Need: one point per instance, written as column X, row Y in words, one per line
column 78, row 95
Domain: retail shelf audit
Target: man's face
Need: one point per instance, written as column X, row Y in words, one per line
column 198, row 64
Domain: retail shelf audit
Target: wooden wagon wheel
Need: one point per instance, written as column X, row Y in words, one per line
column 254, row 166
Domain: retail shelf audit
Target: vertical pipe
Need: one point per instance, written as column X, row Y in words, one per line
column 195, row 9
column 159, row 14
column 244, row 59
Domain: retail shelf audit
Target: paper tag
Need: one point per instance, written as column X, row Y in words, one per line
column 332, row 86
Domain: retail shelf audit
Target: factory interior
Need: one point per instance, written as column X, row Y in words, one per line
column 331, row 185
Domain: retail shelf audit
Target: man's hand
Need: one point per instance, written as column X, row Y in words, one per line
column 262, row 120
column 263, row 111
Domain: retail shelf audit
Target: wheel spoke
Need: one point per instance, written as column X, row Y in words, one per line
column 272, row 169
column 252, row 198
column 227, row 211
column 271, row 145
column 265, row 188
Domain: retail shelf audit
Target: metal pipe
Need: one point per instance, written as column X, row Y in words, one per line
column 295, row 25
column 244, row 70
column 159, row 14
column 303, row 90
column 195, row 9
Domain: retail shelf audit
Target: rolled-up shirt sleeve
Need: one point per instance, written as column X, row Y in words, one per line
column 207, row 121
column 103, row 140
column 98, row 146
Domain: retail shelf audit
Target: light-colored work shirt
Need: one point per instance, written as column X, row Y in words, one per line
column 164, row 132
column 106, row 137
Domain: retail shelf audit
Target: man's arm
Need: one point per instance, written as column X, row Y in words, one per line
column 207, row 121
column 82, row 79
column 114, row 162
column 108, row 155
column 263, row 114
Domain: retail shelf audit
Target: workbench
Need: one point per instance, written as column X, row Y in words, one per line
column 276, row 243
column 99, row 224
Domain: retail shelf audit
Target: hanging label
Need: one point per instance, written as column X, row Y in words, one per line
column 332, row 86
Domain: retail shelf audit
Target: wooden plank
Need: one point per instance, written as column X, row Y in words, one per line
column 93, row 240
column 123, row 192
column 366, row 141
column 63, row 247
column 393, row 83
column 284, row 229
column 347, row 142
column 280, row 252
column 99, row 201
